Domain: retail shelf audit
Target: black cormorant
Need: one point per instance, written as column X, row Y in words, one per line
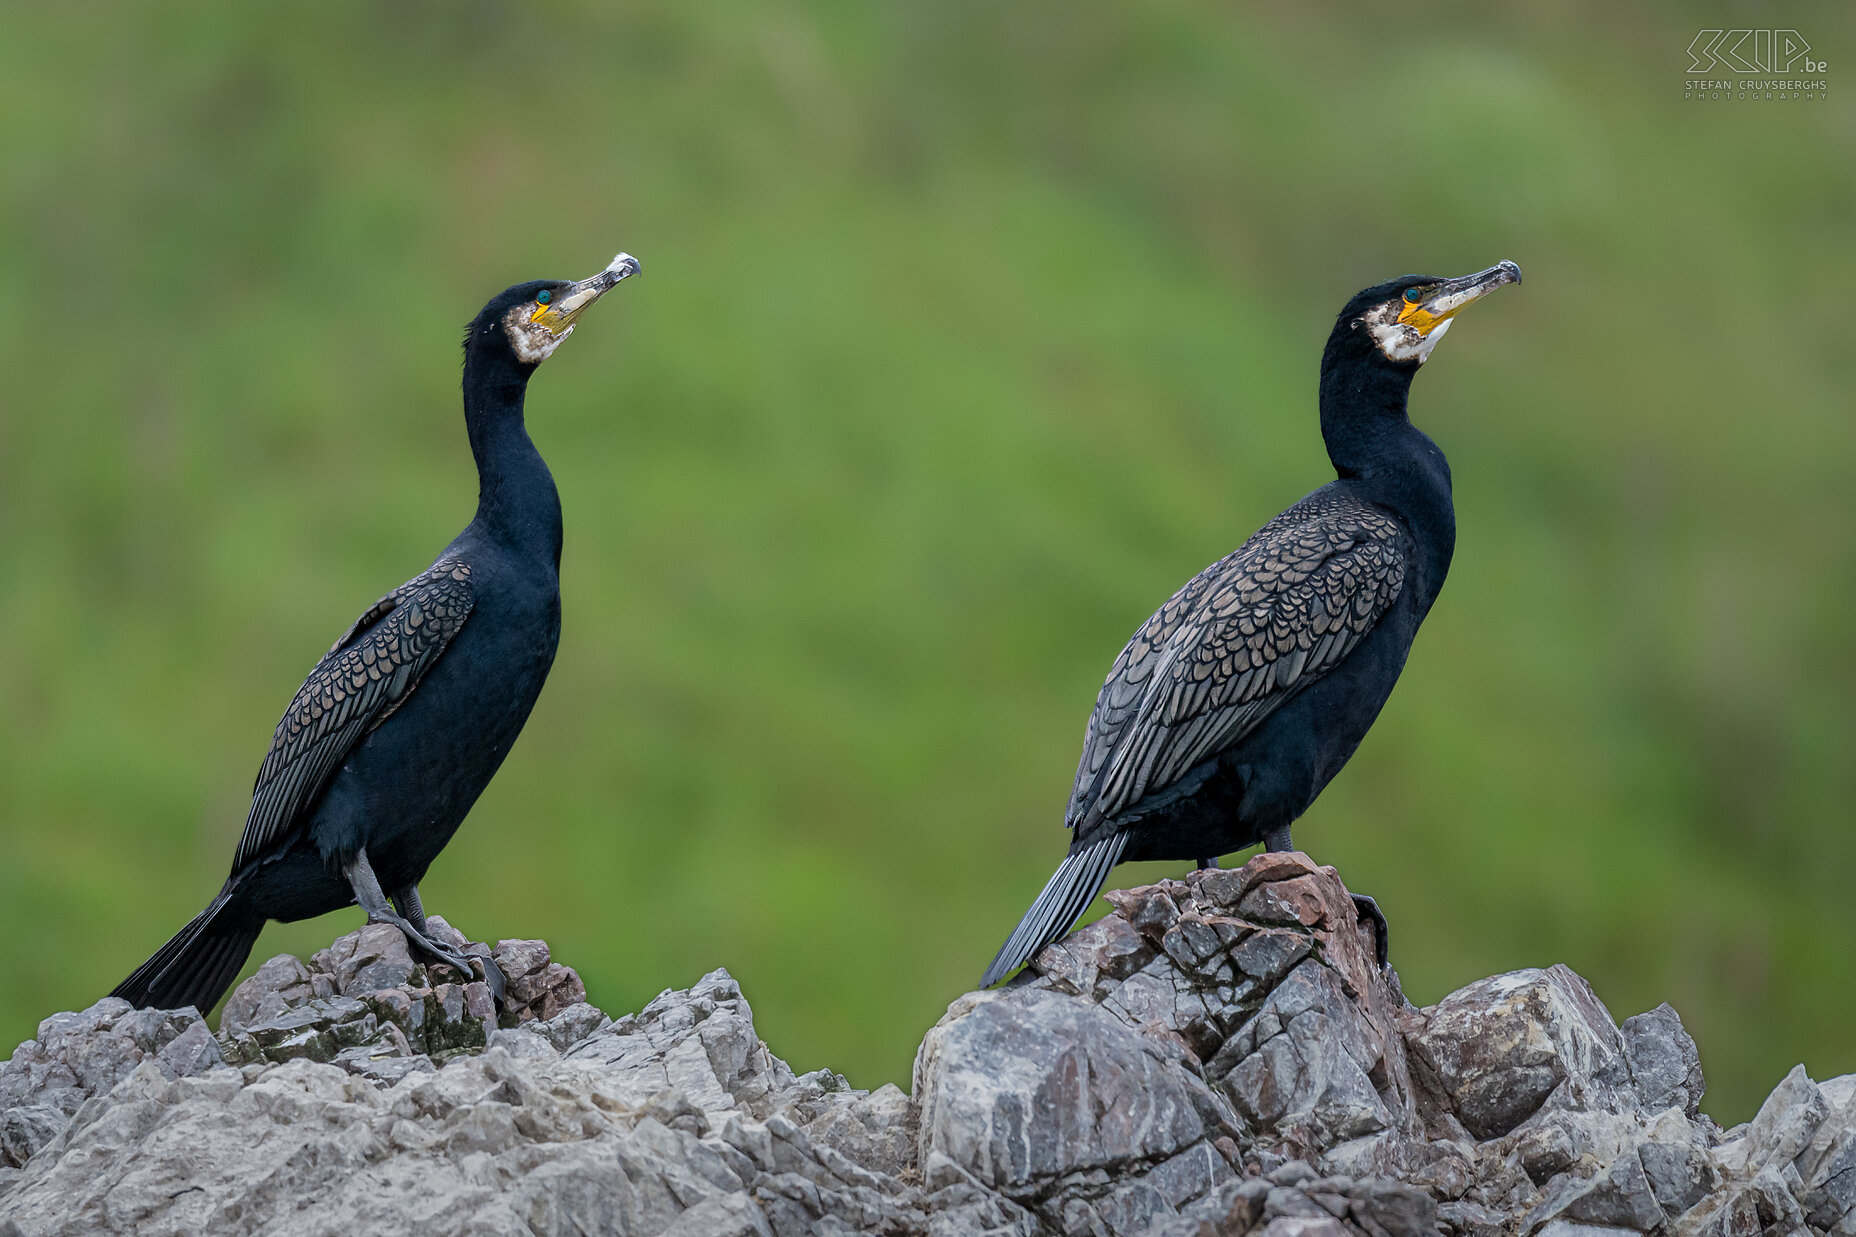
column 1233, row 706
column 404, row 721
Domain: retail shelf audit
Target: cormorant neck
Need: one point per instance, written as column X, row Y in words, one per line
column 1363, row 417
column 516, row 499
column 1387, row 460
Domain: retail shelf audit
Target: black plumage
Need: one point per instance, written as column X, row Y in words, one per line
column 1234, row 705
column 404, row 721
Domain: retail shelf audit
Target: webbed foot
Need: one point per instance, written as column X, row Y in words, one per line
column 409, row 918
column 423, row 946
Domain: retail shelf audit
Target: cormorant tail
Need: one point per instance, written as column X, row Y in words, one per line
column 197, row 964
column 1067, row 895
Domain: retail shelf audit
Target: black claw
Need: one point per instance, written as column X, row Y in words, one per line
column 1208, row 865
column 1369, row 912
column 493, row 977
column 422, row 944
column 432, row 950
column 492, row 974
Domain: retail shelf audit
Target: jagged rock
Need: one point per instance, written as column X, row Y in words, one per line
column 1503, row 1047
column 1664, row 1062
column 1515, row 1104
column 1301, row 1064
column 1827, row 1165
column 365, row 1004
column 674, row 1120
column 1086, row 1092
column 77, row 1056
column 539, row 988
column 1233, row 1017
column 875, row 1130
column 1220, row 1057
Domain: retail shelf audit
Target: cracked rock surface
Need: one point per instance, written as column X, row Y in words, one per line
column 1220, row 1056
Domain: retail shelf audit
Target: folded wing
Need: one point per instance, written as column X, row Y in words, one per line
column 356, row 686
column 1229, row 648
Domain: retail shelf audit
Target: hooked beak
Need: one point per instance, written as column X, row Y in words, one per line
column 1443, row 300
column 559, row 316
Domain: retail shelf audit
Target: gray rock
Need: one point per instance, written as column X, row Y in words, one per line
column 1309, row 1069
column 1463, row 1219
column 1018, row 1089
column 24, row 1128
column 571, row 1025
column 1546, row 1150
column 1502, row 1046
column 1289, row 1200
column 726, row 1215
column 376, row 957
column 1294, row 901
column 1219, row 1058
column 1618, row 1197
column 1294, row 1172
column 281, row 983
column 700, row 1042
column 1570, row 1228
column 1182, row 1226
column 1390, row 1209
column 1786, row 1122
column 1676, row 1162
column 1306, row 1226
column 1830, row 1191
column 541, row 987
column 1266, row 956
column 79, row 1056
column 1664, row 1064
column 875, row 1131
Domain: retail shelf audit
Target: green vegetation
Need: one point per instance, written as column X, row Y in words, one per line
column 967, row 332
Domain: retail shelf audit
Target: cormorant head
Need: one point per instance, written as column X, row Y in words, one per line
column 1401, row 320
column 533, row 318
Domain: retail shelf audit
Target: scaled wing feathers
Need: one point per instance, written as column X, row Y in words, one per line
column 356, row 686
column 1232, row 645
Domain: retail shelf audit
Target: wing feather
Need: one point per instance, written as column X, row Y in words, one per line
column 1229, row 648
column 357, row 685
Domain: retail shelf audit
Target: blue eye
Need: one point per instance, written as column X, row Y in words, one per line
column 1413, row 296
column 543, row 297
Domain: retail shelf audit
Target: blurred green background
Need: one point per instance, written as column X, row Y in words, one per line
column 967, row 333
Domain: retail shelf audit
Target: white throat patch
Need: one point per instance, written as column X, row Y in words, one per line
column 533, row 342
column 1399, row 341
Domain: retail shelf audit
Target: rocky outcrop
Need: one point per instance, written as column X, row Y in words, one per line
column 1219, row 1056
column 1223, row 1050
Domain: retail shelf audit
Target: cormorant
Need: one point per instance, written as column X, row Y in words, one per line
column 1233, row 706
column 404, row 721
